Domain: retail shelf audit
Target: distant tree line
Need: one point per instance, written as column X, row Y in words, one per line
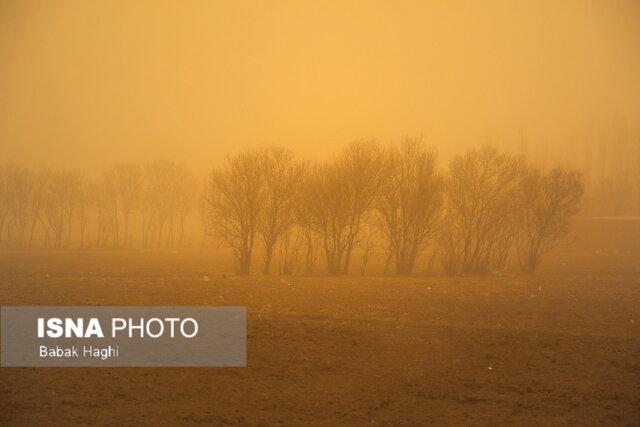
column 612, row 175
column 489, row 205
column 58, row 205
column 305, row 217
column 608, row 156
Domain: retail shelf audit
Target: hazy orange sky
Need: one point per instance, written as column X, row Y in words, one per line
column 103, row 81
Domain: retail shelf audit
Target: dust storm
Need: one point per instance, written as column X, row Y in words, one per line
column 430, row 210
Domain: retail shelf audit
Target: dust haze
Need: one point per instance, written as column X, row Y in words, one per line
column 430, row 210
column 86, row 84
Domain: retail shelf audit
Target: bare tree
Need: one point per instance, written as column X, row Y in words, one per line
column 341, row 193
column 281, row 175
column 127, row 186
column 20, row 186
column 55, row 207
column 548, row 201
column 157, row 180
column 480, row 201
column 5, row 191
column 202, row 211
column 636, row 174
column 368, row 244
column 186, row 201
column 234, row 202
column 74, row 195
column 409, row 201
column 290, row 243
column 166, row 199
column 150, row 204
column 83, row 209
column 38, row 193
column 107, row 203
column 304, row 220
column 178, row 200
column 329, row 212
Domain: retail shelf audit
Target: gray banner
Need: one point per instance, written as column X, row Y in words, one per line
column 123, row 336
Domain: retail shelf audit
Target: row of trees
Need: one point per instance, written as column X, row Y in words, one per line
column 53, row 205
column 613, row 178
column 489, row 205
column 486, row 208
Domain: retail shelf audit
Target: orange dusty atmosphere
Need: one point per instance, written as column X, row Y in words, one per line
column 86, row 84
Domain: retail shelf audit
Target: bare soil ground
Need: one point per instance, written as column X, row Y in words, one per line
column 562, row 347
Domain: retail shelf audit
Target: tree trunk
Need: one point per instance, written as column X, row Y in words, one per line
column 310, row 258
column 33, row 227
column 69, row 230
column 268, row 256
column 388, row 262
column 126, row 230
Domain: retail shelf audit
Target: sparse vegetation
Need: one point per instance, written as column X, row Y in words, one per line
column 486, row 208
